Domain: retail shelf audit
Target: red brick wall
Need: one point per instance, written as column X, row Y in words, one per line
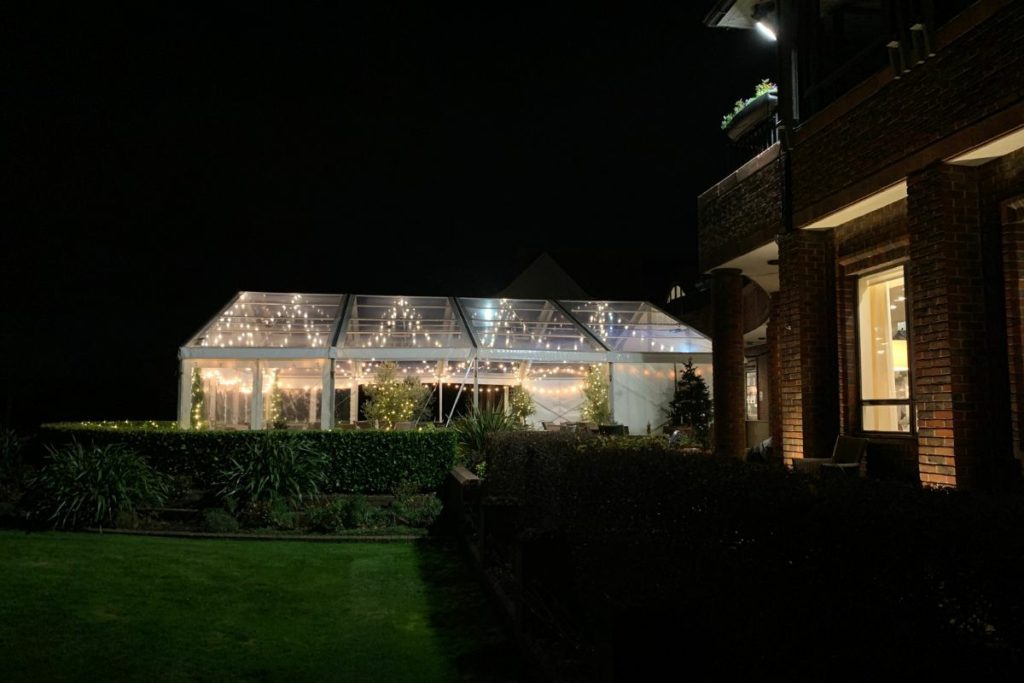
column 1013, row 264
column 727, row 355
column 807, row 349
column 979, row 74
column 774, row 369
column 734, row 221
column 946, row 283
column 868, row 243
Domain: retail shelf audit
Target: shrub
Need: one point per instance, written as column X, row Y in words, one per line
column 272, row 467
column 910, row 575
column 474, row 429
column 13, row 471
column 81, row 485
column 391, row 399
column 418, row 510
column 325, row 515
column 218, row 521
column 365, row 461
column 358, row 513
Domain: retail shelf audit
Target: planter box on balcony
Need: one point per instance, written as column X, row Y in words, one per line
column 754, row 113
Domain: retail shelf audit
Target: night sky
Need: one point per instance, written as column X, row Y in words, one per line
column 156, row 160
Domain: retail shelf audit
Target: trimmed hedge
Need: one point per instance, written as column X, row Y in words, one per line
column 358, row 461
column 797, row 574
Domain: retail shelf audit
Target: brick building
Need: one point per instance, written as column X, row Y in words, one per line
column 882, row 214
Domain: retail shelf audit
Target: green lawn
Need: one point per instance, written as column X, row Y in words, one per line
column 82, row 606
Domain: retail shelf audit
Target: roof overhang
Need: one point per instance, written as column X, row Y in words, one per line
column 731, row 14
column 991, row 150
column 861, row 207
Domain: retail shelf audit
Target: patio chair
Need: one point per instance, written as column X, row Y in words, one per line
column 405, row 426
column 847, row 455
column 551, row 426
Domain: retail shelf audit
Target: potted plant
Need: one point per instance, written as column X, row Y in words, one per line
column 749, row 112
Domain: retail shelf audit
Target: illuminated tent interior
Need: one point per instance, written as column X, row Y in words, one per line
column 315, row 352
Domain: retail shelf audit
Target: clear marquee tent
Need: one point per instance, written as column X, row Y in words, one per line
column 317, row 350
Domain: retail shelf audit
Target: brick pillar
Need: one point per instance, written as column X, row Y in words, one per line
column 808, row 373
column 1013, row 270
column 774, row 395
column 727, row 355
column 959, row 439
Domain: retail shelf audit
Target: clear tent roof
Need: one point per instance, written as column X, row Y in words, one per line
column 637, row 326
column 272, row 320
column 417, row 328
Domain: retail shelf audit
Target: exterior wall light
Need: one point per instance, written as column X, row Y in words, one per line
column 765, row 31
column 762, row 16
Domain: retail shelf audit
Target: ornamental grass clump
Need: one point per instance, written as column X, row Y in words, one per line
column 474, row 429
column 271, row 467
column 81, row 485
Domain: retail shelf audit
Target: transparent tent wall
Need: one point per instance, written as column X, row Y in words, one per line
column 292, row 392
column 557, row 392
column 641, row 393
column 216, row 394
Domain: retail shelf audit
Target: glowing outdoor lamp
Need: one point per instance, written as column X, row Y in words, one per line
column 762, row 20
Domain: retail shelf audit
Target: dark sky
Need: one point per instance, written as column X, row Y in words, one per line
column 157, row 159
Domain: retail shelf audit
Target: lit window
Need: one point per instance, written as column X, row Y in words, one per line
column 884, row 360
column 751, row 397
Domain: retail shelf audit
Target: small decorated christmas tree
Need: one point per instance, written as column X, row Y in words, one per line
column 392, row 399
column 276, row 416
column 596, row 407
column 520, row 403
column 691, row 404
column 198, row 401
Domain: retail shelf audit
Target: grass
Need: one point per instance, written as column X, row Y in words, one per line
column 76, row 606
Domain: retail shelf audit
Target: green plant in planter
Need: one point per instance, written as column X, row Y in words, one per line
column 765, row 86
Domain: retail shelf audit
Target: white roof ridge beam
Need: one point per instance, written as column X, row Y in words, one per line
column 464, row 322
column 342, row 320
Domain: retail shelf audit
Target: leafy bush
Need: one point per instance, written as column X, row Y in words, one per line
column 418, row 510
column 12, row 472
column 358, row 513
column 474, row 429
column 326, row 515
column 218, row 521
column 365, row 461
column 910, row 575
column 81, row 485
column 391, row 399
column 272, row 467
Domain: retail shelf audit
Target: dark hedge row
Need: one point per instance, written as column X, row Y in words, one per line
column 761, row 570
column 359, row 461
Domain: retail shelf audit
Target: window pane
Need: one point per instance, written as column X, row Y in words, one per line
column 751, row 401
column 884, row 366
column 886, row 418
